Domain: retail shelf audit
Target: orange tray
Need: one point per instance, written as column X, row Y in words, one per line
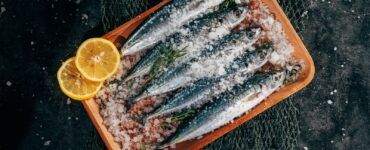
column 300, row 52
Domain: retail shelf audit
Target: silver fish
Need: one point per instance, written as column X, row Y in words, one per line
column 166, row 22
column 216, row 58
column 195, row 36
column 230, row 105
column 202, row 91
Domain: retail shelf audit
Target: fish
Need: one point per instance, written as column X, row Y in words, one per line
column 211, row 63
column 193, row 37
column 202, row 91
column 166, row 22
column 230, row 105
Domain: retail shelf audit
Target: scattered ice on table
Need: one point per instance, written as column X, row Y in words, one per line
column 47, row 143
column 85, row 17
column 8, row 83
column 69, row 118
column 304, row 13
column 330, row 102
column 78, row 1
column 332, row 92
column 335, row 48
column 68, row 101
column 2, row 9
column 305, row 148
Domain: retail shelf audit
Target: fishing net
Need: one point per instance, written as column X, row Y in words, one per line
column 277, row 128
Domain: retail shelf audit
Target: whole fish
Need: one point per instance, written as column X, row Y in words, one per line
column 211, row 63
column 202, row 91
column 192, row 37
column 230, row 105
column 166, row 22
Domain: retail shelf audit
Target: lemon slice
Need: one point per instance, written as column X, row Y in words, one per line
column 97, row 59
column 73, row 84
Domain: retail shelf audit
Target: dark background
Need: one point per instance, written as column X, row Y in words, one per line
column 333, row 112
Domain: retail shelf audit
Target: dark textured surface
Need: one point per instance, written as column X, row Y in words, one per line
column 37, row 35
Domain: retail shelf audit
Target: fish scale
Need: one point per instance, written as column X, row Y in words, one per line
column 192, row 37
column 202, row 91
column 230, row 105
column 222, row 53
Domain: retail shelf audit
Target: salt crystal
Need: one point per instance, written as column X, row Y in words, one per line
column 78, row 1
column 330, row 102
column 8, row 83
column 173, row 146
column 32, row 43
column 305, row 148
column 335, row 48
column 168, row 120
column 47, row 143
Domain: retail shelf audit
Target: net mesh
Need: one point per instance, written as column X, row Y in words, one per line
column 277, row 128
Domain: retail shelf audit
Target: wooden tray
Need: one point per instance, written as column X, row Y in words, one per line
column 300, row 52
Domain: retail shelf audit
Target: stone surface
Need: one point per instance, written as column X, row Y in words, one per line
column 36, row 36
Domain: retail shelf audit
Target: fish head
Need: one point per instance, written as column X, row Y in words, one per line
column 276, row 79
column 236, row 17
